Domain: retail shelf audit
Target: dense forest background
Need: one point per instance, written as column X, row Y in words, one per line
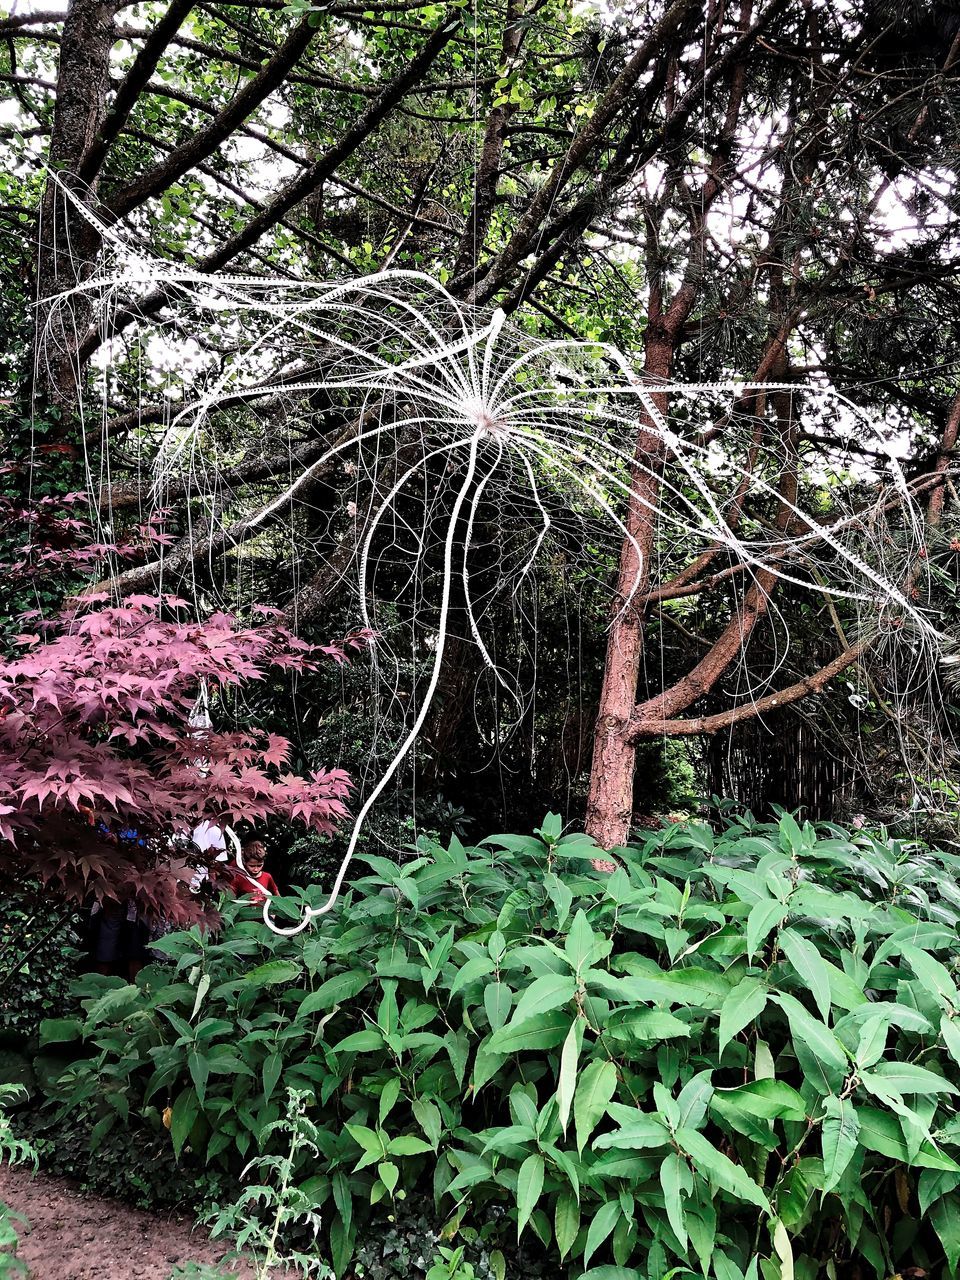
column 764, row 189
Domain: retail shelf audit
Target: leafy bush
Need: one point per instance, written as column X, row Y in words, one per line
column 39, row 987
column 737, row 1054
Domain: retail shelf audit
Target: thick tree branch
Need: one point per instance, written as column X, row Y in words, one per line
column 206, row 141
column 133, row 84
column 639, row 728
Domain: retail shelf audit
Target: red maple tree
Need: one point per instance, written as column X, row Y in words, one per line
column 101, row 769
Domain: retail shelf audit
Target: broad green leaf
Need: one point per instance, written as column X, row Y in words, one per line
column 458, row 1049
column 199, row 1070
column 880, row 1131
column 839, row 1137
column 764, row 1099
column 648, row 983
column 545, row 1031
column 272, row 1067
column 764, row 916
column 932, row 975
column 949, row 1030
column 341, row 987
column 388, row 1098
column 389, row 1175
column 784, row 1250
column 933, row 1184
column 475, row 969
column 604, row 1221
column 272, row 974
column 945, row 1217
column 567, row 1080
column 809, row 968
column 529, row 1187
column 715, row 1166
column 905, row 1078
column 58, row 1030
column 693, row 1100
column 185, row 1111
column 497, row 1001
column 560, row 895
column 646, row 1026
column 427, row 1116
column 596, row 1087
column 360, row 1042
column 637, row 1135
column 543, row 994
column 566, row 1222
column 612, row 1273
column 819, row 1052
column 676, row 1180
column 742, row 1006
column 407, row 1144
column 580, row 942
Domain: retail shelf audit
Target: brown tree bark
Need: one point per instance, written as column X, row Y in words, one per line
column 610, row 797
column 68, row 243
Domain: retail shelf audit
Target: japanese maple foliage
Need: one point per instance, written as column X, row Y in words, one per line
column 96, row 741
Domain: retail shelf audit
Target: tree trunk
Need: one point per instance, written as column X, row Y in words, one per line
column 69, row 244
column 610, row 798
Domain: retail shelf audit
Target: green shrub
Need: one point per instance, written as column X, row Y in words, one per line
column 35, row 928
column 736, row 1056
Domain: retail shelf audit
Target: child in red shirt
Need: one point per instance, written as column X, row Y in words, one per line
column 252, row 881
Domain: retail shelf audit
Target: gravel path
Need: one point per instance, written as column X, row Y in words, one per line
column 77, row 1237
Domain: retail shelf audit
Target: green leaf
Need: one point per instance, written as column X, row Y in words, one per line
column 932, row 975
column 341, row 987
column 611, row 1273
column 580, row 942
column 604, row 1221
column 545, row 1031
column 497, row 1001
column 905, row 1078
column 408, row 1145
column 272, row 1067
column 185, row 1111
column 764, row 916
column 784, row 1250
column 945, row 1217
column 529, row 1187
column 949, row 1030
column 764, row 1099
column 427, row 1116
column 880, row 1131
column 635, row 1135
column 819, row 1052
column 714, row 1165
column 742, row 1006
column 58, row 1030
column 560, row 895
column 458, row 1050
column 596, row 1087
column 475, row 969
column 199, row 1070
column 389, row 1175
column 567, row 1080
column 809, row 968
column 543, row 994
column 676, row 1180
column 566, row 1223
column 272, row 974
column 839, row 1138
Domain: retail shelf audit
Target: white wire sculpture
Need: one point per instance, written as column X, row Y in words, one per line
column 441, row 409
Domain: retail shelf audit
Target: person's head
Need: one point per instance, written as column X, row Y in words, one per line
column 254, row 855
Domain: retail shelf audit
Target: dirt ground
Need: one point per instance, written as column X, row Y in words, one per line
column 75, row 1237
